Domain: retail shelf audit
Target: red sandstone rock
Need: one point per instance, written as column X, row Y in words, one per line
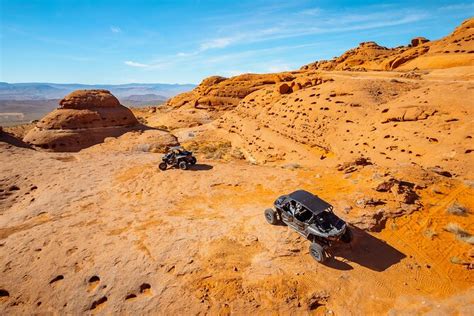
column 84, row 118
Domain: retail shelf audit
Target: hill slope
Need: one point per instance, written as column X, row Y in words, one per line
column 454, row 50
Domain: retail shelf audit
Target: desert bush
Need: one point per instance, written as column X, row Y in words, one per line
column 237, row 153
column 142, row 120
column 458, row 209
column 460, row 233
column 216, row 150
column 429, row 233
column 292, row 166
column 456, row 260
column 142, row 147
column 211, row 150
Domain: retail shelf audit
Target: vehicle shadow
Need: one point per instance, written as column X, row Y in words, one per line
column 365, row 250
column 200, row 167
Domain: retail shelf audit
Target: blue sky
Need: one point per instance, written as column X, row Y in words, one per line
column 99, row 41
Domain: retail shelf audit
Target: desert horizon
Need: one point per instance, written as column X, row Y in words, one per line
column 322, row 164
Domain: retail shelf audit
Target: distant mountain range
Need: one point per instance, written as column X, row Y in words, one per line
column 23, row 102
column 46, row 91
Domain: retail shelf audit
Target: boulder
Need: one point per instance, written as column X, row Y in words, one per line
column 295, row 86
column 284, row 88
column 419, row 41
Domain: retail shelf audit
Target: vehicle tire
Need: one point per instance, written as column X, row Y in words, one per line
column 347, row 236
column 317, row 252
column 271, row 216
column 162, row 166
column 192, row 161
column 183, row 165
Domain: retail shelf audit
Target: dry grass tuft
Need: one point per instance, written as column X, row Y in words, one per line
column 456, row 260
column 458, row 209
column 216, row 150
column 429, row 233
column 142, row 120
column 292, row 166
column 460, row 233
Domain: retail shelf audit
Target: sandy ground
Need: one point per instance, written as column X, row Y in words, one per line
column 103, row 231
column 97, row 232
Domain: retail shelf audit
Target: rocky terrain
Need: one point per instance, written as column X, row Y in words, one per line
column 385, row 135
column 455, row 50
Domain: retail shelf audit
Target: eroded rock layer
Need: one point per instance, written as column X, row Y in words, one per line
column 456, row 49
column 84, row 118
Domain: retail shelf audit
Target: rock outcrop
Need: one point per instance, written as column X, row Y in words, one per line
column 456, row 49
column 417, row 41
column 218, row 93
column 84, row 118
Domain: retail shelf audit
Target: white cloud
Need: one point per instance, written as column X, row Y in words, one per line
column 216, row 43
column 279, row 68
column 459, row 6
column 233, row 73
column 135, row 64
column 115, row 29
column 311, row 12
column 158, row 64
column 182, row 54
column 333, row 23
column 266, row 29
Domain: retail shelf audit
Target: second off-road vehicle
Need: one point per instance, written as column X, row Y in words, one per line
column 177, row 157
column 312, row 218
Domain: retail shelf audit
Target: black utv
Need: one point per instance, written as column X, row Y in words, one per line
column 177, row 157
column 312, row 218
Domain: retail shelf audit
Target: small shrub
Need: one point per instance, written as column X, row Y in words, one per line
column 455, row 260
column 458, row 209
column 236, row 153
column 460, row 233
column 142, row 120
column 216, row 150
column 143, row 147
column 211, row 150
column 292, row 166
column 429, row 233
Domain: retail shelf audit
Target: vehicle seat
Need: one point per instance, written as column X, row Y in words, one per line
column 304, row 216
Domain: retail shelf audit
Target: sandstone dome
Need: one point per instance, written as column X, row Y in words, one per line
column 83, row 99
column 83, row 118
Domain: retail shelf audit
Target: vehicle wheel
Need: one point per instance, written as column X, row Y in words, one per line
column 162, row 166
column 347, row 236
column 183, row 165
column 192, row 161
column 271, row 216
column 317, row 252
